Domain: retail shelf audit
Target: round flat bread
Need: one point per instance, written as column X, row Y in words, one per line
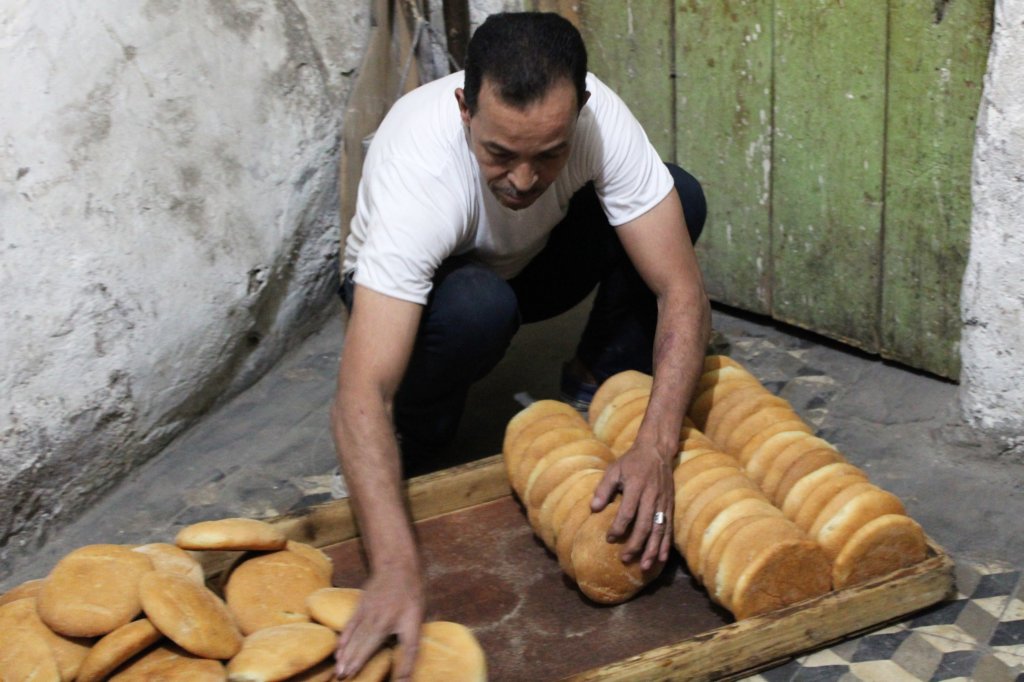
column 116, row 648
column 21, row 619
column 720, row 528
column 173, row 559
column 691, row 438
column 29, row 588
column 618, row 414
column 613, row 386
column 879, row 547
column 781, row 575
column 600, row 572
column 688, row 492
column 803, row 488
column 835, row 504
column 690, row 530
column 231, row 534
column 513, row 452
column 320, row 561
column 551, row 470
column 713, row 362
column 759, row 463
column 753, row 424
column 723, row 420
column 281, row 651
column 824, row 493
column 554, row 475
column 740, row 551
column 627, row 436
column 565, row 537
column 541, row 446
column 710, row 394
column 557, row 503
column 449, row 651
column 24, row 653
column 755, row 442
column 694, row 462
column 786, row 458
column 190, row 615
column 806, row 463
column 168, row 662
column 271, row 589
column 853, row 515
column 93, row 590
column 334, row 606
column 533, row 412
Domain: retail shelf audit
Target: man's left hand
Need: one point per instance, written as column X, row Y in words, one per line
column 645, row 479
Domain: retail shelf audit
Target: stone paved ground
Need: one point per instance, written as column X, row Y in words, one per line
column 269, row 451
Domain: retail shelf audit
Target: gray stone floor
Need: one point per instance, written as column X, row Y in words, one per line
column 269, row 451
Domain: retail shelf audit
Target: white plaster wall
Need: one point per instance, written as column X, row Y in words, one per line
column 168, row 223
column 992, row 346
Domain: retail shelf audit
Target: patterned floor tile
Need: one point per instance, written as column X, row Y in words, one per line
column 826, row 673
column 824, row 658
column 879, row 647
column 996, row 584
column 943, row 614
column 918, row 656
column 991, row 669
column 956, row 664
column 882, row 671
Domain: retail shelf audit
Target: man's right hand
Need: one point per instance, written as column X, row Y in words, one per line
column 391, row 604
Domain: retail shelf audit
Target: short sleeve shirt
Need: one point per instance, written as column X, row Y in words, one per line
column 423, row 199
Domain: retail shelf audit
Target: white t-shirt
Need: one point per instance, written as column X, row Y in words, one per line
column 422, row 199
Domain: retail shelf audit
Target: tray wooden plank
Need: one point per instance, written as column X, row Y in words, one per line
column 720, row 652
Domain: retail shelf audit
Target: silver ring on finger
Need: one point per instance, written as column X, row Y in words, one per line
column 659, row 518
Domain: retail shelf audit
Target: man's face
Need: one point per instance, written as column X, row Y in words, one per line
column 521, row 151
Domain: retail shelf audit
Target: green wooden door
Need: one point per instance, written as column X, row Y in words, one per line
column 833, row 139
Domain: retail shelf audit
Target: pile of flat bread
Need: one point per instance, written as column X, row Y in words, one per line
column 766, row 513
column 133, row 613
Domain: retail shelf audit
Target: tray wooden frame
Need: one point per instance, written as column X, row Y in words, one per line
column 726, row 652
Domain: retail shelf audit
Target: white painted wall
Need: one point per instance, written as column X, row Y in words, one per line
column 168, row 223
column 992, row 346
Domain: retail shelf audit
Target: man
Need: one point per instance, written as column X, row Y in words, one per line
column 490, row 198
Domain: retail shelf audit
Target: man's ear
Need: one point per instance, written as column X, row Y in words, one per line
column 460, row 97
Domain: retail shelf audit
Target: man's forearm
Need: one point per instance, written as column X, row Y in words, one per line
column 370, row 461
column 681, row 337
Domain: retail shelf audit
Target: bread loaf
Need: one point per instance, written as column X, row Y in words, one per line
column 117, row 647
column 281, row 651
column 190, row 615
column 271, row 589
column 231, row 534
column 168, row 662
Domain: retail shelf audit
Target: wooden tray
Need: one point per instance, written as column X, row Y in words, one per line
column 484, row 568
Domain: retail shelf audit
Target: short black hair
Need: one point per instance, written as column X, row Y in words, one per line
column 523, row 54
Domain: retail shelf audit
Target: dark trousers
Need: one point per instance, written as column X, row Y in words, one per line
column 472, row 314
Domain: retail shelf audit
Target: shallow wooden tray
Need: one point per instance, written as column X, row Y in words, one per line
column 485, row 569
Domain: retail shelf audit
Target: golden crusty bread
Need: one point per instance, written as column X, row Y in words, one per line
column 29, row 588
column 830, row 508
column 334, row 606
column 541, row 446
column 600, row 572
column 755, row 442
column 879, row 547
column 709, row 395
column 533, row 412
column 688, row 491
column 558, row 502
column 737, row 406
column 761, row 461
column 754, row 424
column 619, row 412
column 612, row 387
column 271, row 589
column 551, row 470
column 693, row 462
column 713, row 362
column 822, row 495
column 24, row 653
column 690, row 438
column 22, row 619
column 93, row 590
column 712, row 541
column 117, row 647
column 513, row 452
column 803, row 488
column 448, row 651
column 804, row 464
column 554, row 474
column 783, row 574
column 320, row 561
column 565, row 535
column 627, row 436
column 173, row 559
column 168, row 662
column 740, row 550
column 376, row 669
column 853, row 515
column 690, row 526
column 281, row 651
column 790, row 454
column 231, row 534
column 190, row 615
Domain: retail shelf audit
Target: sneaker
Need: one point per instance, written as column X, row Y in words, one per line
column 576, row 391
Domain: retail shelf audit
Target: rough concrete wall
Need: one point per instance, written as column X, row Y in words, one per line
column 992, row 379
column 168, row 223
